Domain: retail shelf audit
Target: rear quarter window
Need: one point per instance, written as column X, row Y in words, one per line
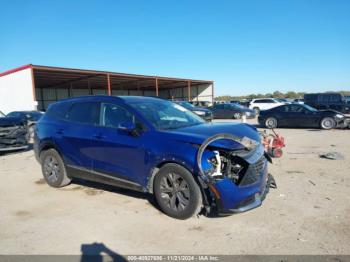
column 84, row 113
column 58, row 111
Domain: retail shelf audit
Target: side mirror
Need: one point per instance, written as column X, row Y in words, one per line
column 128, row 127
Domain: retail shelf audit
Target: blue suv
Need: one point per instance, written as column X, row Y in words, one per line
column 154, row 146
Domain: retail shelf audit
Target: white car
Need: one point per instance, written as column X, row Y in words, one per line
column 264, row 104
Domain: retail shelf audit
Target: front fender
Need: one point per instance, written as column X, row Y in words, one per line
column 183, row 154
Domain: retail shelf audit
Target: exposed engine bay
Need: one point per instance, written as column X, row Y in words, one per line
column 226, row 164
column 218, row 163
column 244, row 167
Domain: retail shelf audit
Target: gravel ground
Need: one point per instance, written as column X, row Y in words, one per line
column 309, row 212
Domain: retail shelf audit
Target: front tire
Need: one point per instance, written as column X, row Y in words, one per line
column 176, row 192
column 53, row 169
column 327, row 123
column 271, row 122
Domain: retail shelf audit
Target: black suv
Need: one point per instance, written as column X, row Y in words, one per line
column 335, row 101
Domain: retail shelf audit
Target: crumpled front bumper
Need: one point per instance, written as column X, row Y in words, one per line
column 233, row 198
column 252, row 202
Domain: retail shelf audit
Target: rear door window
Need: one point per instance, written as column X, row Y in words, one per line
column 84, row 113
column 58, row 110
column 293, row 108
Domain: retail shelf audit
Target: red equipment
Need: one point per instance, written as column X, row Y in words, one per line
column 273, row 144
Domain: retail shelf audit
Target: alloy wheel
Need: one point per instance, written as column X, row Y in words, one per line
column 271, row 122
column 51, row 169
column 175, row 192
column 327, row 123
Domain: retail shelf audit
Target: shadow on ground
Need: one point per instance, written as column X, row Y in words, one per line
column 126, row 192
column 99, row 252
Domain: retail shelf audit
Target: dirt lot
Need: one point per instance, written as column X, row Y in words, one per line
column 309, row 213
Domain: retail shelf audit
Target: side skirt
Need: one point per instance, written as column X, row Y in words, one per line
column 92, row 175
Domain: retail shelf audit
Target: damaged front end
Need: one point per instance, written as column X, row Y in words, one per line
column 13, row 134
column 233, row 180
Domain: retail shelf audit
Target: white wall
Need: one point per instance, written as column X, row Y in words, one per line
column 202, row 92
column 16, row 91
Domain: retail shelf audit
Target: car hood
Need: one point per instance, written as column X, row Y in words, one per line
column 199, row 133
column 10, row 121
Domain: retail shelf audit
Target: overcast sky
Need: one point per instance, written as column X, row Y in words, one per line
column 244, row 46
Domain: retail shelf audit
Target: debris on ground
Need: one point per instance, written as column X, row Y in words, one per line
column 332, row 156
column 312, row 183
column 294, row 172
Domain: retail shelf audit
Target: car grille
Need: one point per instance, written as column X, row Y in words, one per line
column 253, row 172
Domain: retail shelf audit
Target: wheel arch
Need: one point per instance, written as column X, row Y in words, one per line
column 154, row 171
column 46, row 145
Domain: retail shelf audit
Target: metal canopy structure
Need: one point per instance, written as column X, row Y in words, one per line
column 48, row 77
column 54, row 83
column 111, row 83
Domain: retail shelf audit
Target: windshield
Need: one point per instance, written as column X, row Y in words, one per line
column 310, row 108
column 35, row 115
column 165, row 115
column 186, row 105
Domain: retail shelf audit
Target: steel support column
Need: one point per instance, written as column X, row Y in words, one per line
column 212, row 93
column 189, row 90
column 157, row 87
column 109, row 85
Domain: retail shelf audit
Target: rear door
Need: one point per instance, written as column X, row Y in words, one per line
column 218, row 111
column 227, row 111
column 73, row 136
column 294, row 115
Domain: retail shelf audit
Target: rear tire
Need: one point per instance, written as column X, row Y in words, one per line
column 176, row 192
column 53, row 169
column 271, row 122
column 327, row 123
